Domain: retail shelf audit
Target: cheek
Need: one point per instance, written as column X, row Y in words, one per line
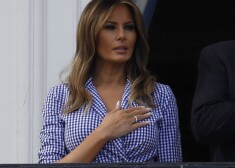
column 104, row 42
column 133, row 39
column 102, row 47
column 106, row 37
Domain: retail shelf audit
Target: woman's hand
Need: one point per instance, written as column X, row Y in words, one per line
column 121, row 122
column 115, row 124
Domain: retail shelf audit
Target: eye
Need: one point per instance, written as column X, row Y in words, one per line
column 109, row 27
column 129, row 27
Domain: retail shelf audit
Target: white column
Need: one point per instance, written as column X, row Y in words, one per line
column 37, row 42
column 15, row 88
column 38, row 71
column 53, row 31
column 60, row 27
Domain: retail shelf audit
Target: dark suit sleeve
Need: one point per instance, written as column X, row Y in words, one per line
column 213, row 113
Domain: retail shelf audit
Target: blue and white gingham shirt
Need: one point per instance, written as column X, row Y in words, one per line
column 62, row 133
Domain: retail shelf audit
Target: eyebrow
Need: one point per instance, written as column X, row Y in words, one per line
column 128, row 22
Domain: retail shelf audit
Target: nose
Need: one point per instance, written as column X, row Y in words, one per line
column 121, row 35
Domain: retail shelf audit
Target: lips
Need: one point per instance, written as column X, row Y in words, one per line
column 120, row 48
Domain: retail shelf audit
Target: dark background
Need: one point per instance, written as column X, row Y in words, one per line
column 178, row 31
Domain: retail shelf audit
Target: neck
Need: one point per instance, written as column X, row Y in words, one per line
column 109, row 75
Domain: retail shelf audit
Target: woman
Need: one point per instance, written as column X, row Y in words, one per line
column 110, row 109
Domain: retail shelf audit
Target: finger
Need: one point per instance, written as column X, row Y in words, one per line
column 129, row 110
column 141, row 117
column 140, row 111
column 117, row 107
column 139, row 124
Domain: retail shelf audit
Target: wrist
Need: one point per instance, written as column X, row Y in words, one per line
column 101, row 134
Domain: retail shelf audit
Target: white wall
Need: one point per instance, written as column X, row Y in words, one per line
column 37, row 40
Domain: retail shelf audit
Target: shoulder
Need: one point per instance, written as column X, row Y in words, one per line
column 59, row 92
column 59, row 89
column 220, row 45
column 221, row 53
column 218, row 49
column 165, row 101
column 160, row 88
column 162, row 92
column 55, row 100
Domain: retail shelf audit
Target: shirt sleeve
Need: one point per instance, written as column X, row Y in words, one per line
column 52, row 132
column 169, row 132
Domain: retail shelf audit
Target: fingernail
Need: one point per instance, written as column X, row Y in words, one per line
column 149, row 113
column 148, row 122
column 148, row 109
column 118, row 104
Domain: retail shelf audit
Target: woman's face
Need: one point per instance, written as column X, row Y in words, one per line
column 116, row 40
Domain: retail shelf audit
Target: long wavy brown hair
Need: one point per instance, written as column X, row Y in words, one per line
column 91, row 22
